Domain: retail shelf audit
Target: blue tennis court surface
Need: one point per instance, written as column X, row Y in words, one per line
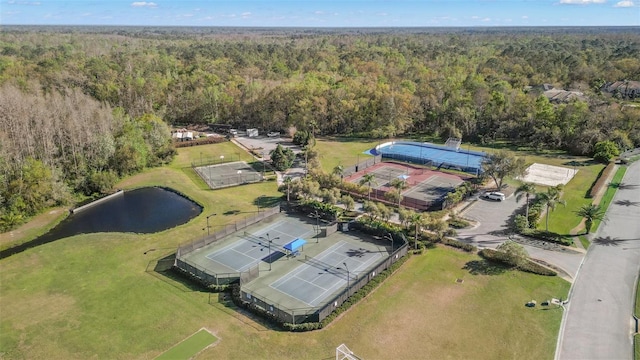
column 324, row 274
column 440, row 156
column 252, row 248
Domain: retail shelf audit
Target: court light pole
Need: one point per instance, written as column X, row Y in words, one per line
column 269, row 241
column 208, row 223
column 348, row 277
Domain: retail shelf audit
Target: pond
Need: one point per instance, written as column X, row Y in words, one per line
column 145, row 210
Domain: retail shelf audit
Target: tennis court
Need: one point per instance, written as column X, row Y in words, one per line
column 322, row 275
column 438, row 156
column 385, row 173
column 265, row 245
column 228, row 174
column 435, row 187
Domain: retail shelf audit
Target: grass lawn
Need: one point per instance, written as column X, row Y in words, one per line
column 191, row 346
column 97, row 296
column 38, row 225
column 610, row 192
column 338, row 151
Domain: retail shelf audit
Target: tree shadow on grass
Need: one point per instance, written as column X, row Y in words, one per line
column 484, row 267
column 576, row 163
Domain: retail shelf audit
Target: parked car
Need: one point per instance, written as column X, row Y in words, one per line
column 494, row 195
column 273, row 134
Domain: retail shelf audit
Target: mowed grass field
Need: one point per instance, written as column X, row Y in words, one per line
column 97, row 296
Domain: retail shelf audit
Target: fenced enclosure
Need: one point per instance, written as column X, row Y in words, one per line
column 298, row 315
column 228, row 174
column 450, row 156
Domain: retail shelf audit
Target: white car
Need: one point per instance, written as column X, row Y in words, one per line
column 273, row 134
column 494, row 195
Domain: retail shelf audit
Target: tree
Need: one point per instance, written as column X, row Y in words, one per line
column 369, row 180
column 287, row 182
column 502, row 164
column 399, row 185
column 348, row 202
column 604, row 151
column 515, row 252
column 550, row 200
column 528, row 190
column 590, row 213
column 338, row 170
column 417, row 220
column 282, row 158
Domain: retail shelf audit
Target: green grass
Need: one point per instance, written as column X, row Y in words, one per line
column 637, row 346
column 585, row 242
column 191, row 346
column 337, row 151
column 610, row 192
column 97, row 296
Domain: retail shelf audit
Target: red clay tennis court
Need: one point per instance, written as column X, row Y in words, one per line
column 425, row 188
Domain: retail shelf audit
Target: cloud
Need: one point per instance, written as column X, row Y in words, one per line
column 144, row 4
column 623, row 4
column 582, row 2
column 525, row 17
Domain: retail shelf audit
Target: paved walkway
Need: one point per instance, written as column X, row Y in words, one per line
column 598, row 323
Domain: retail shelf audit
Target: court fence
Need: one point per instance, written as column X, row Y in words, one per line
column 283, row 314
column 407, row 201
column 205, row 160
column 223, row 181
column 361, row 165
column 211, row 277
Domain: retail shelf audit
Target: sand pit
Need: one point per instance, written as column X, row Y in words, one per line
column 549, row 175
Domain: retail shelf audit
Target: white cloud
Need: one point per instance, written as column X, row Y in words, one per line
column 525, row 17
column 383, row 14
column 582, row 2
column 143, row 4
column 246, row 15
column 626, row 3
column 31, row 3
column 319, row 12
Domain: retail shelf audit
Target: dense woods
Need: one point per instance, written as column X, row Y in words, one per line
column 86, row 105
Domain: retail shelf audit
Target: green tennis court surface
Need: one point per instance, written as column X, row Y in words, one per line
column 190, row 347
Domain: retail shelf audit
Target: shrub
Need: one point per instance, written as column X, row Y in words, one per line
column 548, row 236
column 602, row 179
column 458, row 244
column 457, row 222
column 526, row 266
column 201, row 141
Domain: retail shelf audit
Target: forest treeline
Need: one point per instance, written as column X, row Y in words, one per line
column 93, row 105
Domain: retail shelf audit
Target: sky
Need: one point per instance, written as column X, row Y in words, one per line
column 322, row 13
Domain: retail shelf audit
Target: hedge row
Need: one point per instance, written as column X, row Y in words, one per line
column 458, row 244
column 352, row 300
column 200, row 141
column 602, row 179
column 529, row 266
column 548, row 236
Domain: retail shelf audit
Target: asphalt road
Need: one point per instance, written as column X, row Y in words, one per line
column 597, row 322
column 493, row 218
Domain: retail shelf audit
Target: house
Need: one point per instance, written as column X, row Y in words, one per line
column 625, row 89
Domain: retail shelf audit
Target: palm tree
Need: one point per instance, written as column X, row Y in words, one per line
column 590, row 213
column 368, row 179
column 417, row 220
column 399, row 185
column 550, row 200
column 528, row 190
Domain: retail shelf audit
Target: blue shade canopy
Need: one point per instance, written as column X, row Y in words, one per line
column 295, row 244
column 403, row 177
